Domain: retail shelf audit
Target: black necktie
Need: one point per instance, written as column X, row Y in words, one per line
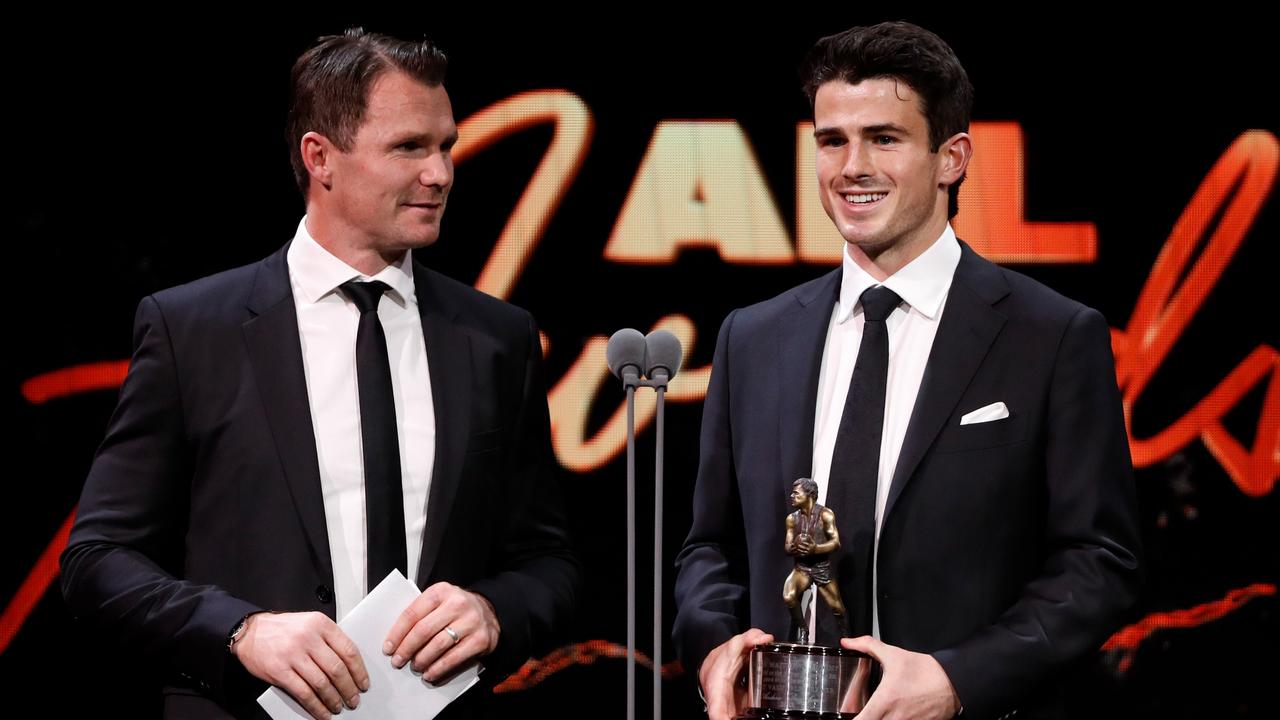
column 855, row 463
column 383, row 495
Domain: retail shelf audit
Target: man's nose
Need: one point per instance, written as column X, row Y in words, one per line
column 858, row 163
column 437, row 170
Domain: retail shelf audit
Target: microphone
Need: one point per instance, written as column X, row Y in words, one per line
column 658, row 356
column 663, row 354
column 625, row 355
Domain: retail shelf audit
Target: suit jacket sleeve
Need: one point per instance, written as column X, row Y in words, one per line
column 711, row 579
column 1090, row 574
column 123, row 557
column 534, row 590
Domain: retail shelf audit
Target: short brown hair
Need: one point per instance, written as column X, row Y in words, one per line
column 332, row 80
column 907, row 53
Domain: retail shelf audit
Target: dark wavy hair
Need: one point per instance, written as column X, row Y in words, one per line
column 907, row 53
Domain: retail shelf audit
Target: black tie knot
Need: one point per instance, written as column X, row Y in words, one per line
column 878, row 302
column 365, row 294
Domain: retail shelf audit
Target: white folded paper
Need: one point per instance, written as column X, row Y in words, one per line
column 392, row 693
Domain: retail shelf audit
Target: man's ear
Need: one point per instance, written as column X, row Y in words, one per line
column 956, row 153
column 317, row 154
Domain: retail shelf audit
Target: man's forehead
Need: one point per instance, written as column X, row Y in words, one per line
column 880, row 84
column 398, row 99
column 397, row 84
column 879, row 94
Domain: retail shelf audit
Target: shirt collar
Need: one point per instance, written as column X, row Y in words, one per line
column 923, row 283
column 317, row 272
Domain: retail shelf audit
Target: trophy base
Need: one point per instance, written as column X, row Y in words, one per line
column 789, row 681
column 775, row 714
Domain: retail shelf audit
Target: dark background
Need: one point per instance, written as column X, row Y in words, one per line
column 148, row 151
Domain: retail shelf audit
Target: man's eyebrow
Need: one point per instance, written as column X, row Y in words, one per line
column 424, row 138
column 884, row 128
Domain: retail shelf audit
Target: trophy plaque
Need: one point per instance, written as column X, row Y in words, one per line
column 789, row 680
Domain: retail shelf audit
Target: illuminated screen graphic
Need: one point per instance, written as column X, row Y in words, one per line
column 659, row 176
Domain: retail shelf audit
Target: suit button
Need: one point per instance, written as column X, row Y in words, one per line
column 324, row 594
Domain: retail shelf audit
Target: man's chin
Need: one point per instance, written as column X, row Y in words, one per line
column 393, row 251
column 869, row 245
column 419, row 238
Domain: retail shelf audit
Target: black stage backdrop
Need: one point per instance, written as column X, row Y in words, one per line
column 638, row 167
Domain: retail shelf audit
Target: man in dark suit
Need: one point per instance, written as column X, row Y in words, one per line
column 962, row 421
column 292, row 430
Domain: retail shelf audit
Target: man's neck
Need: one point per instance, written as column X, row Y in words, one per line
column 368, row 261
column 885, row 261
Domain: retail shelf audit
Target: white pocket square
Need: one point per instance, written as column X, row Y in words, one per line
column 994, row 411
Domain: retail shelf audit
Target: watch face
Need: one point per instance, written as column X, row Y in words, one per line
column 234, row 635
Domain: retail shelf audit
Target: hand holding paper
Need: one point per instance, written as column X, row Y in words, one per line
column 308, row 655
column 393, row 692
column 442, row 630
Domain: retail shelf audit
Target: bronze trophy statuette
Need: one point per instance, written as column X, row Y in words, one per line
column 797, row 679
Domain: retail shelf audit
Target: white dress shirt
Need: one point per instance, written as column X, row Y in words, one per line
column 923, row 285
column 327, row 323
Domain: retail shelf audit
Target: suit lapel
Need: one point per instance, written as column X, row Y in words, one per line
column 968, row 328
column 802, row 335
column 449, row 359
column 275, row 352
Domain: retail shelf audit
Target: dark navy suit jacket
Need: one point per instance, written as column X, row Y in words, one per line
column 204, row 501
column 1008, row 549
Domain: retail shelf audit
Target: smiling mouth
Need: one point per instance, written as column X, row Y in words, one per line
column 864, row 198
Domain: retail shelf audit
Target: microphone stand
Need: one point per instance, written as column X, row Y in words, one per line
column 659, row 384
column 660, row 353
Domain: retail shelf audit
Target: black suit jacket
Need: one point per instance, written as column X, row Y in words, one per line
column 1008, row 549
column 204, row 502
